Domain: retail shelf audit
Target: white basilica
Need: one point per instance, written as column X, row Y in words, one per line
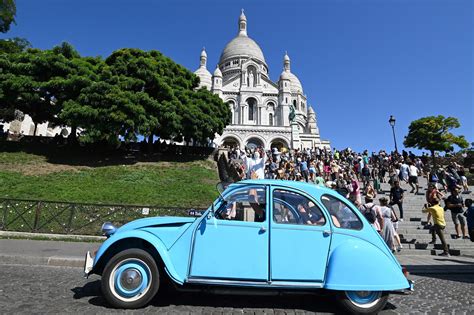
column 260, row 108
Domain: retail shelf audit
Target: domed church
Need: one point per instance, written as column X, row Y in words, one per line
column 264, row 113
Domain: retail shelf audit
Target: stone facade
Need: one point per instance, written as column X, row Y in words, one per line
column 260, row 107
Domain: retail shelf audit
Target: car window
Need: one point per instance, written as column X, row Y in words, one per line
column 292, row 208
column 341, row 214
column 244, row 204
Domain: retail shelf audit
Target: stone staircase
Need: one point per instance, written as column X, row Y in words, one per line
column 414, row 232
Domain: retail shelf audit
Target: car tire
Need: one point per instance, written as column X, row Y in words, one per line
column 363, row 302
column 130, row 279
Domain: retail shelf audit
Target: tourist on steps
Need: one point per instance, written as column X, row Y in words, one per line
column 439, row 225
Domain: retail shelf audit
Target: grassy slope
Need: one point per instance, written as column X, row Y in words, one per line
column 30, row 176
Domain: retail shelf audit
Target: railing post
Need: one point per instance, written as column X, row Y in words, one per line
column 71, row 217
column 4, row 220
column 37, row 216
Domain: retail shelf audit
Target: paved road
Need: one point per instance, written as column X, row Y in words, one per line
column 48, row 289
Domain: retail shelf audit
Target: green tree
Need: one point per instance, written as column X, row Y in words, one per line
column 38, row 82
column 7, row 14
column 146, row 93
column 14, row 45
column 433, row 134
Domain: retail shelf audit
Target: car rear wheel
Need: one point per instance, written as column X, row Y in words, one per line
column 363, row 302
column 130, row 279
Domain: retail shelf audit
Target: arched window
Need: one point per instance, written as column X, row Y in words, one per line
column 270, row 119
column 252, row 103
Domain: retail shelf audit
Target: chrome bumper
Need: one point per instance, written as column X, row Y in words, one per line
column 88, row 264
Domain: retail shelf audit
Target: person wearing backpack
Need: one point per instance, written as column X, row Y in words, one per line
column 372, row 213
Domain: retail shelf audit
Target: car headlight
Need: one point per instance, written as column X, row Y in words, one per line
column 108, row 229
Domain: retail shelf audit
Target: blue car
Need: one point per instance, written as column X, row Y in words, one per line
column 259, row 234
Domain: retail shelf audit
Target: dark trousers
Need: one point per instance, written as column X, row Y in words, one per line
column 471, row 234
column 400, row 207
column 438, row 229
column 305, row 175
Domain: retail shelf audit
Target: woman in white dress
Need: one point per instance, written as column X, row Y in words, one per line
column 388, row 232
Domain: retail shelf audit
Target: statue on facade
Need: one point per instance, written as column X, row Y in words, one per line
column 292, row 114
column 251, row 79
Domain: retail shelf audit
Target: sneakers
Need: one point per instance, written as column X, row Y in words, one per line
column 401, row 220
column 466, row 237
column 456, row 237
column 445, row 254
column 432, row 242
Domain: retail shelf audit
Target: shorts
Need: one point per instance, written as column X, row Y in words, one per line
column 458, row 218
column 312, row 170
column 413, row 180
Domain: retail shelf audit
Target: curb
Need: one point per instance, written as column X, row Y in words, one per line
column 440, row 270
column 43, row 261
column 60, row 237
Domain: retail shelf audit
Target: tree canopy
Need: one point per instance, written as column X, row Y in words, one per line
column 14, row 45
column 433, row 133
column 146, row 93
column 7, row 14
column 130, row 93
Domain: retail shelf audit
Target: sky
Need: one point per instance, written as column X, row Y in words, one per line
column 359, row 61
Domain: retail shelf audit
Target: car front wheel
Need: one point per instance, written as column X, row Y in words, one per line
column 363, row 302
column 130, row 279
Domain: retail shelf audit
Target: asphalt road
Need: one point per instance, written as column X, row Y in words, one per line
column 47, row 289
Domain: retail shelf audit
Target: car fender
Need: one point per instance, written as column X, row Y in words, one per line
column 358, row 265
column 148, row 237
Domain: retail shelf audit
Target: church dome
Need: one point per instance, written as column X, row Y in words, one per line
column 284, row 76
column 242, row 46
column 205, row 76
column 217, row 72
column 295, row 83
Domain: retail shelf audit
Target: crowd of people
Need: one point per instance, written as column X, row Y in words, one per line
column 358, row 176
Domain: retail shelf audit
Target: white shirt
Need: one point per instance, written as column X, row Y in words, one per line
column 413, row 170
column 257, row 165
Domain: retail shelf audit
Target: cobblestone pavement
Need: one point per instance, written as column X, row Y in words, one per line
column 42, row 289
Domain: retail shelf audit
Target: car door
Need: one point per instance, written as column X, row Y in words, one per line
column 300, row 238
column 233, row 244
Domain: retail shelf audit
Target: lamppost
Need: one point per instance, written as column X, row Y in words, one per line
column 391, row 121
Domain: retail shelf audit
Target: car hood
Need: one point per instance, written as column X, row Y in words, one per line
column 167, row 229
column 156, row 222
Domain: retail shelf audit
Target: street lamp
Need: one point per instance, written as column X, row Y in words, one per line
column 391, row 121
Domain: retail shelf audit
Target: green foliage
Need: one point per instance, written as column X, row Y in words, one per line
column 14, row 45
column 131, row 93
column 433, row 133
column 7, row 14
column 145, row 93
column 37, row 82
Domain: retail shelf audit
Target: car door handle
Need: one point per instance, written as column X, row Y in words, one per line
column 327, row 233
column 263, row 229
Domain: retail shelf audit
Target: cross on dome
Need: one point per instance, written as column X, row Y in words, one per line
column 242, row 24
